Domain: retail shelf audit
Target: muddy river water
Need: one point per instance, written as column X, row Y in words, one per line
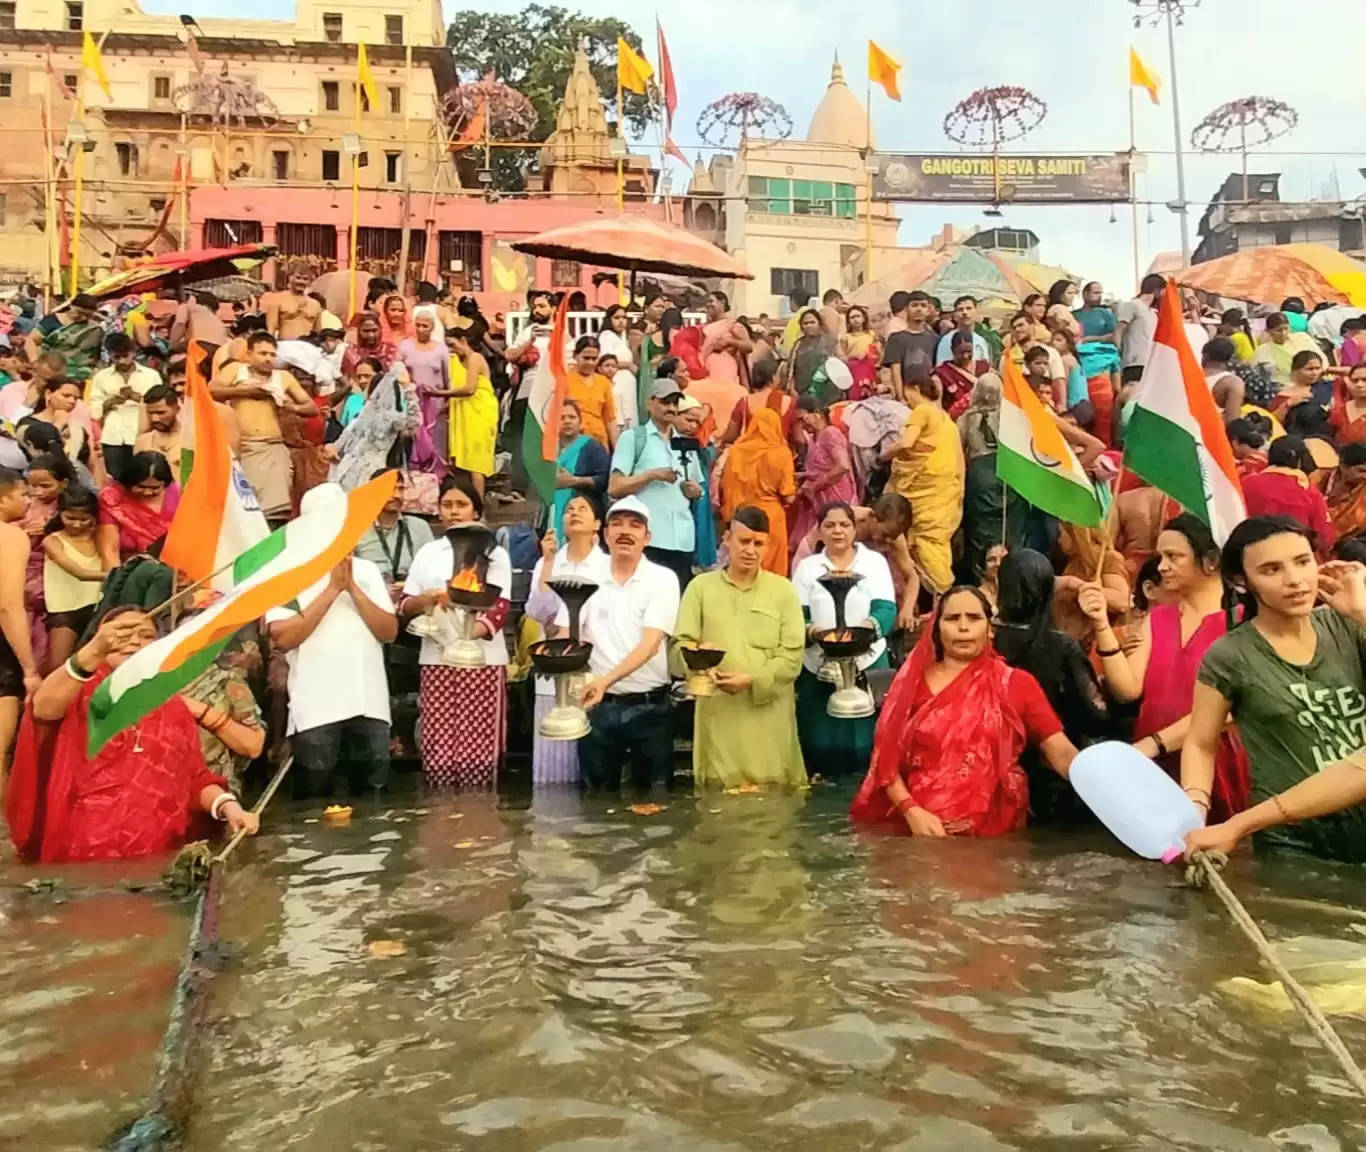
column 732, row 973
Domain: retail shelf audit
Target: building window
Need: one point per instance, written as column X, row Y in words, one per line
column 1285, row 233
column 127, row 156
column 6, row 85
column 812, row 198
column 69, row 82
column 161, row 89
column 331, row 165
column 786, row 281
column 157, row 204
column 363, row 98
column 393, row 29
column 75, row 16
column 846, row 201
column 331, row 96
column 332, row 27
column 7, row 14
column 565, row 273
column 4, row 210
column 1266, row 188
column 279, row 165
column 393, row 167
column 770, row 195
column 395, row 101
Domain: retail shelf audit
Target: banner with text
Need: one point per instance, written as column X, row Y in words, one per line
column 1023, row 179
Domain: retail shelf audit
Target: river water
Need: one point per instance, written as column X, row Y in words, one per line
column 733, row 973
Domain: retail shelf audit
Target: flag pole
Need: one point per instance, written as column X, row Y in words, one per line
column 1133, row 180
column 621, row 146
column 406, row 241
column 868, row 185
column 52, row 281
column 79, row 186
column 183, row 192
column 355, row 197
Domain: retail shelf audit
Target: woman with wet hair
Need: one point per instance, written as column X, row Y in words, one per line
column 1291, row 676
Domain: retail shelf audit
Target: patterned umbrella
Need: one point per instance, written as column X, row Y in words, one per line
column 1268, row 275
column 178, row 268
column 634, row 244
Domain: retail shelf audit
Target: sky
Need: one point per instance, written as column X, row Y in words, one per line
column 1072, row 55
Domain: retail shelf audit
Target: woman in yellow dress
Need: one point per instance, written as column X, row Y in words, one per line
column 474, row 407
column 927, row 469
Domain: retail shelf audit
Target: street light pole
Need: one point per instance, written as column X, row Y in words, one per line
column 1173, row 12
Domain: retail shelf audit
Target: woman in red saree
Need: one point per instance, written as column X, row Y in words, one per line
column 136, row 514
column 145, row 792
column 1346, row 493
column 946, row 755
column 1348, row 412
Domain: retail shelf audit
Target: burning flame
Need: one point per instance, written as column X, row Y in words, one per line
column 467, row 580
column 840, row 637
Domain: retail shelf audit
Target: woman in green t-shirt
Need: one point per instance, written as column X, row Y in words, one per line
column 1291, row 676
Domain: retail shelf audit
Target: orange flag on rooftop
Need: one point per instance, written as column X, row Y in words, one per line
column 473, row 132
column 884, row 69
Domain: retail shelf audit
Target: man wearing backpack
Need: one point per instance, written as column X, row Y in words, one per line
column 645, row 465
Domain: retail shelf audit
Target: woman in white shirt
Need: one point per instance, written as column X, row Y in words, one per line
column 832, row 746
column 463, row 727
column 557, row 761
column 612, row 341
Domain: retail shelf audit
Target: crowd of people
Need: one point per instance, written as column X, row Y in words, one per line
column 713, row 480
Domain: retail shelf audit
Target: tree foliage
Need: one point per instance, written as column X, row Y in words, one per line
column 533, row 52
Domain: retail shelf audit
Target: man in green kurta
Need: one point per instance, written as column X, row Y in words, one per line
column 747, row 732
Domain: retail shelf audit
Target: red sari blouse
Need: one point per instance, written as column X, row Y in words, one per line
column 139, row 796
column 957, row 751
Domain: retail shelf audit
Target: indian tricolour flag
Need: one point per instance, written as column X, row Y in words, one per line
column 1176, row 439
column 1034, row 459
column 218, row 519
column 274, row 572
column 541, row 430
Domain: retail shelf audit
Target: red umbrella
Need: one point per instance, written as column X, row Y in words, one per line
column 178, row 268
column 634, row 244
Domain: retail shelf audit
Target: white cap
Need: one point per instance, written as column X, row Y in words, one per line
column 630, row 506
column 688, row 403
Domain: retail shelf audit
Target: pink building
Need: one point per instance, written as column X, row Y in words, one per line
column 462, row 238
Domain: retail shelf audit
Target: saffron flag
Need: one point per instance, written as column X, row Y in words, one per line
column 218, row 519
column 667, row 86
column 672, row 149
column 633, row 70
column 1176, row 439
column 1034, row 459
column 1141, row 76
column 93, row 63
column 474, row 130
column 274, row 572
column 884, row 69
column 365, row 79
column 541, row 430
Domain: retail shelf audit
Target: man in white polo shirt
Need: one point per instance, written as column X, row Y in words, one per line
column 338, row 691
column 629, row 620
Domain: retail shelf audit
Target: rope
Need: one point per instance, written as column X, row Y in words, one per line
column 155, row 1128
column 1204, row 872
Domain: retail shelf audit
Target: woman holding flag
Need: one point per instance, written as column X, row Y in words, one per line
column 146, row 791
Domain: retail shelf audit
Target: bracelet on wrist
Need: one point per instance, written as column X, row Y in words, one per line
column 1281, row 808
column 904, row 805
column 75, row 671
column 216, row 808
column 1159, row 744
column 1106, row 653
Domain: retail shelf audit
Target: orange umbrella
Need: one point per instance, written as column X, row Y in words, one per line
column 1268, row 275
column 634, row 244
